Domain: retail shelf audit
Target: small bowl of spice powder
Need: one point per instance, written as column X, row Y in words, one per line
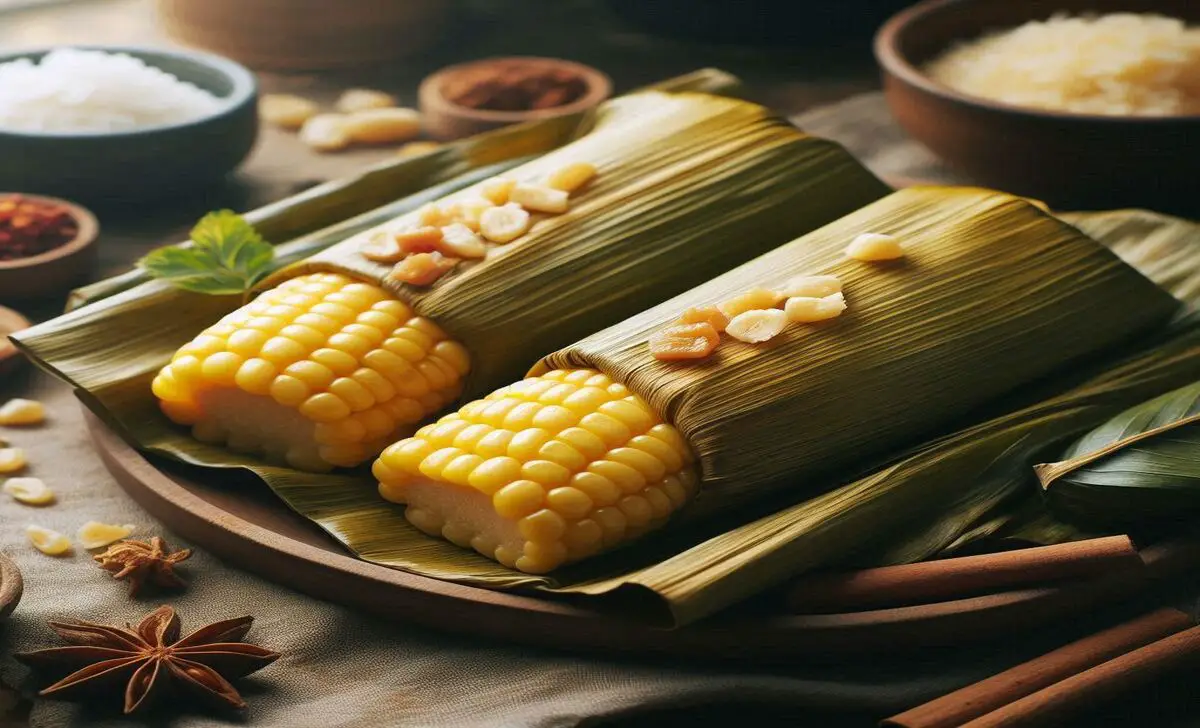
column 45, row 245
column 473, row 97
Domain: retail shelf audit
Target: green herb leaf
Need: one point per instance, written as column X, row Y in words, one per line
column 227, row 257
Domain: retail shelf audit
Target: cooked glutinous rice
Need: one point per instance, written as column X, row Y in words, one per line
column 1116, row 64
column 76, row 90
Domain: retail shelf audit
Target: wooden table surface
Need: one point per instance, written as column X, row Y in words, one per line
column 788, row 80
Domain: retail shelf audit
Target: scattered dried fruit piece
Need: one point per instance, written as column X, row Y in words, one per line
column 382, row 126
column 808, row 309
column 325, row 132
column 571, row 177
column 286, row 111
column 420, row 240
column 144, row 563
column 434, row 215
column 361, row 99
column 22, row 412
column 505, row 223
column 381, row 247
column 810, row 287
column 752, row 300
column 684, row 341
column 49, row 542
column 872, row 247
column 94, row 535
column 757, row 326
column 30, row 491
column 459, row 241
column 422, row 269
column 710, row 315
column 418, row 148
column 469, row 210
column 12, row 459
column 539, row 198
column 497, row 189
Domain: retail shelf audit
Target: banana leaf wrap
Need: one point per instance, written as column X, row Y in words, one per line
column 689, row 185
column 992, row 293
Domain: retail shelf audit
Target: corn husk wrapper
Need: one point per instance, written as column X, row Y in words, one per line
column 689, row 185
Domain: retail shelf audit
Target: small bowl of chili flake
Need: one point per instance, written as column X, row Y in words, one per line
column 45, row 245
column 473, row 97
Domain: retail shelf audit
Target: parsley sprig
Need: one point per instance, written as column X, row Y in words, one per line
column 227, row 257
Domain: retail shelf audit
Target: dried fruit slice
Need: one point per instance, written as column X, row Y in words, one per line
column 460, row 241
column 710, row 315
column 810, row 287
column 539, row 198
column 286, row 111
column 381, row 247
column 422, row 269
column 505, row 223
column 871, row 247
column 49, row 542
column 382, row 126
column 807, row 309
column 571, row 177
column 497, row 189
column 30, row 491
column 94, row 535
column 684, row 341
column 22, row 412
column 420, row 240
column 754, row 327
column 468, row 212
column 755, row 299
column 361, row 99
column 12, row 459
column 325, row 132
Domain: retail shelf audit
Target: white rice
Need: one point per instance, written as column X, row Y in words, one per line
column 75, row 90
column 1116, row 64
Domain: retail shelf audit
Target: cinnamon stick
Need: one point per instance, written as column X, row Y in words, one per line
column 934, row 581
column 1049, row 706
column 1027, row 678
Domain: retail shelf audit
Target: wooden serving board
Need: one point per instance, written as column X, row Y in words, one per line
column 236, row 517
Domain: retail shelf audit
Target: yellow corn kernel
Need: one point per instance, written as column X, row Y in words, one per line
column 525, row 444
column 256, row 376
column 49, row 542
column 560, row 452
column 634, row 416
column 569, row 502
column 544, row 525
column 571, row 177
column 548, row 474
column 521, row 417
column 872, row 247
column 22, row 412
column 539, row 198
column 12, row 459
column 94, row 535
column 518, row 499
column 289, row 391
column 601, row 490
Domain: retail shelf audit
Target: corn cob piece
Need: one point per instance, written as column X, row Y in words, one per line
column 546, row 471
column 321, row 371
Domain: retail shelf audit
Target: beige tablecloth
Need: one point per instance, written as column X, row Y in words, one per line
column 341, row 669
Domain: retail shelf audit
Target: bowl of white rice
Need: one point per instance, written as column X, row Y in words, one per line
column 118, row 125
column 1082, row 103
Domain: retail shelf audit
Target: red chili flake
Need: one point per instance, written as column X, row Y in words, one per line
column 31, row 227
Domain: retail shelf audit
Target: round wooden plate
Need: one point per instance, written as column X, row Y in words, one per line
column 236, row 517
column 11, row 586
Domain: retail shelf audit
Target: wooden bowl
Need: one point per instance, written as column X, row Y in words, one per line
column 54, row 271
column 1069, row 160
column 288, row 35
column 11, row 586
column 10, row 323
column 445, row 120
column 133, row 167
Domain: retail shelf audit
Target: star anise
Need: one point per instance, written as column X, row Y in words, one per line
column 143, row 562
column 151, row 659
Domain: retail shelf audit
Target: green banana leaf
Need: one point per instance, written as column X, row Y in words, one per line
column 1140, row 467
